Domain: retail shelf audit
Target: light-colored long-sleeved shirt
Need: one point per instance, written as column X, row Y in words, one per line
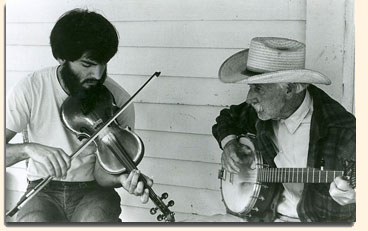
column 292, row 139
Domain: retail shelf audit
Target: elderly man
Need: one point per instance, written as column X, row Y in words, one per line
column 296, row 125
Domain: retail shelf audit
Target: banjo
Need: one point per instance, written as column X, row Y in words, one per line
column 250, row 192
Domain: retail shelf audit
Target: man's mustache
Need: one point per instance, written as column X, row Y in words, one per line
column 94, row 81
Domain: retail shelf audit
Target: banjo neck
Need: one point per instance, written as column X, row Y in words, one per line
column 297, row 175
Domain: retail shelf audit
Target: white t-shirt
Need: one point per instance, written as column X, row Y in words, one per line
column 34, row 104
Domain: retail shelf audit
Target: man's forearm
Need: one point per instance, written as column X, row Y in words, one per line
column 105, row 179
column 232, row 121
column 15, row 153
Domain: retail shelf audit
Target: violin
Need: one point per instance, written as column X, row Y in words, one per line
column 92, row 118
column 119, row 149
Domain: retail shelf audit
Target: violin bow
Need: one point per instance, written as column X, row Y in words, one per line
column 46, row 180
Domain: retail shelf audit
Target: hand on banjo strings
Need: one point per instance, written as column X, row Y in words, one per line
column 236, row 154
column 342, row 192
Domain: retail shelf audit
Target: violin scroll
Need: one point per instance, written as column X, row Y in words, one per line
column 167, row 215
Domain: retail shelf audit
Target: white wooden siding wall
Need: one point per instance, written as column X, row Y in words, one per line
column 330, row 45
column 187, row 41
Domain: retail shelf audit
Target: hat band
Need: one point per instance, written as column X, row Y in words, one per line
column 249, row 72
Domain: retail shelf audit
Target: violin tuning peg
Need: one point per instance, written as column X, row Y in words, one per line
column 164, row 195
column 171, row 203
column 160, row 217
column 153, row 211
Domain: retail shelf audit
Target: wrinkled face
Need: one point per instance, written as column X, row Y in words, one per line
column 82, row 74
column 268, row 100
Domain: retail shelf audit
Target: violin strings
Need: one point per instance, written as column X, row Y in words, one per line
column 129, row 161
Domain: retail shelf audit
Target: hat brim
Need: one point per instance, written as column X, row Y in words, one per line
column 234, row 70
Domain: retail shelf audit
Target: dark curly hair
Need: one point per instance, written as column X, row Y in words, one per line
column 80, row 31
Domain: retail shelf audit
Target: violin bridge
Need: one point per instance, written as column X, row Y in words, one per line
column 97, row 123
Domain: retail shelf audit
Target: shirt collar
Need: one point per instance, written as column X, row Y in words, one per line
column 293, row 122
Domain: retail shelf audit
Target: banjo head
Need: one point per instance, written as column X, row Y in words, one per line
column 240, row 191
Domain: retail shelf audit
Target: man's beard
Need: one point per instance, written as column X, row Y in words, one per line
column 88, row 96
column 72, row 83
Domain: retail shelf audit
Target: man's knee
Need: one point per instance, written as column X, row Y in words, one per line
column 41, row 208
column 100, row 211
column 98, row 207
column 97, row 215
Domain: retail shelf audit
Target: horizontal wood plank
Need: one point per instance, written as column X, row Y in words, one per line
column 186, row 199
column 131, row 10
column 181, row 90
column 180, row 146
column 176, row 118
column 16, row 179
column 201, row 34
column 181, row 173
column 187, row 62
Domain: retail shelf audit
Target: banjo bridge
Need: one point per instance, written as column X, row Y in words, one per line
column 223, row 175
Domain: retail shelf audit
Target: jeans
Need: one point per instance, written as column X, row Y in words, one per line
column 71, row 202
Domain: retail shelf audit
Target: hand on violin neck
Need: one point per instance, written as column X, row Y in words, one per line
column 132, row 184
column 55, row 161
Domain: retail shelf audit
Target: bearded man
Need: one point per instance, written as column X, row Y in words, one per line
column 83, row 42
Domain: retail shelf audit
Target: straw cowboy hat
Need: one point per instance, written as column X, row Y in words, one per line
column 270, row 60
